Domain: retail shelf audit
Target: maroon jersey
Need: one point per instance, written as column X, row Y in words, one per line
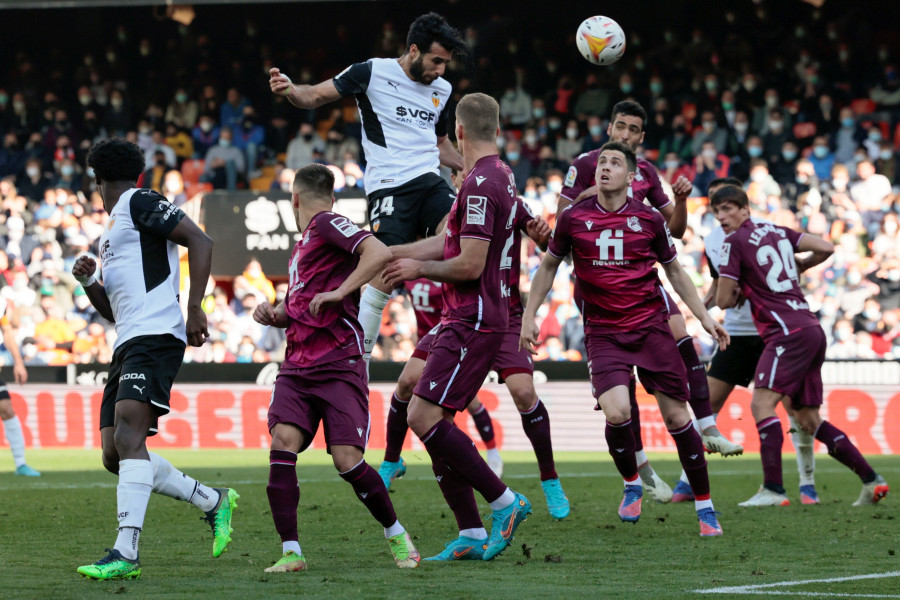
column 427, row 301
column 523, row 216
column 615, row 256
column 485, row 209
column 760, row 257
column 322, row 260
column 645, row 185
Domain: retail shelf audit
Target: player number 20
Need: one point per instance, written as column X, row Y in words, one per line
column 382, row 206
column 781, row 261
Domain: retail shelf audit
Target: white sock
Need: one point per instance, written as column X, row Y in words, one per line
column 476, row 533
column 393, row 530
column 169, row 481
column 493, row 454
column 641, row 457
column 705, row 423
column 12, row 429
column 292, row 546
column 701, row 504
column 684, row 477
column 806, row 457
column 133, row 495
column 371, row 306
column 637, row 481
column 505, row 499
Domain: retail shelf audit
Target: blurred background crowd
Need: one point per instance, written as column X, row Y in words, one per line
column 801, row 104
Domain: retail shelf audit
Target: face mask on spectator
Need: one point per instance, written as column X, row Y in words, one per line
column 571, row 133
column 307, row 137
column 89, row 172
column 841, row 335
column 848, row 122
column 555, row 186
column 758, row 176
column 224, row 143
column 513, row 156
column 626, row 88
column 181, row 98
column 872, row 314
column 206, row 126
column 172, row 186
column 741, row 127
column 771, row 101
column 67, row 170
column 854, row 277
column 672, row 164
column 789, row 154
column 82, row 302
column 820, row 151
column 18, row 106
column 874, row 136
column 33, row 172
column 727, row 105
column 595, row 130
column 531, row 139
column 350, row 181
column 539, row 113
column 144, row 130
column 84, row 99
column 709, row 126
column 709, row 154
column 115, row 102
column 885, row 155
column 776, row 125
column 890, row 227
column 656, row 87
column 755, row 151
column 554, row 124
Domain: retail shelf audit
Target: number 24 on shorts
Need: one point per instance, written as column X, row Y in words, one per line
column 382, row 206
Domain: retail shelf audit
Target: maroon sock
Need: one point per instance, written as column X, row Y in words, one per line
column 458, row 451
column 284, row 493
column 696, row 372
column 396, row 429
column 620, row 439
column 458, row 494
column 690, row 453
column 485, row 427
column 771, row 438
column 370, row 489
column 635, row 414
column 536, row 423
column 840, row 447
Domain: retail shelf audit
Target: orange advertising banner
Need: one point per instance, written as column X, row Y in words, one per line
column 234, row 416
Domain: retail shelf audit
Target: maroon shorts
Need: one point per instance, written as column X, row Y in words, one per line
column 510, row 360
column 458, row 363
column 652, row 350
column 792, row 365
column 671, row 304
column 336, row 393
column 424, row 343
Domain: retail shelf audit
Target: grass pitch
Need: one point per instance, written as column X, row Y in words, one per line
column 51, row 525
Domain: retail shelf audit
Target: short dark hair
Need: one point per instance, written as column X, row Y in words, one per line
column 480, row 115
column 116, row 159
column 430, row 28
column 316, row 180
column 630, row 157
column 723, row 181
column 630, row 109
column 730, row 193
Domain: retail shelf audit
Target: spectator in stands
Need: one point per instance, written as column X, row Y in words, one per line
column 784, row 165
column 870, row 194
column 182, row 111
column 774, row 135
column 521, row 167
column 156, row 144
column 224, row 164
column 515, row 108
column 300, row 149
column 231, row 113
column 822, row 158
column 677, row 141
column 156, row 171
column 569, row 145
column 710, row 164
column 254, row 280
column 33, row 182
column 250, row 138
column 173, row 188
column 848, row 137
column 178, row 139
column 886, row 162
column 709, row 131
column 594, row 101
column 67, row 177
column 117, row 119
column 673, row 168
column 338, row 145
column 12, row 157
column 205, row 135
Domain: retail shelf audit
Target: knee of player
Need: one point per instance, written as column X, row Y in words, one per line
column 405, row 387
column 6, row 410
column 110, row 462
column 524, row 397
column 345, row 458
column 127, row 441
column 616, row 414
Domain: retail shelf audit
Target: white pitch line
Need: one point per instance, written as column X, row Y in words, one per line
column 759, row 588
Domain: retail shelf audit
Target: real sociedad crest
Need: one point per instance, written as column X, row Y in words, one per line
column 634, row 224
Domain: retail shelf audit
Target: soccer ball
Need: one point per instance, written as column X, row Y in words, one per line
column 600, row 40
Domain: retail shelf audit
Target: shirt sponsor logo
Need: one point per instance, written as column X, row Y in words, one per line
column 347, row 227
column 475, row 210
column 127, row 376
column 634, row 224
column 168, row 210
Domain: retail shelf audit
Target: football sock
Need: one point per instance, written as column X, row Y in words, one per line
column 485, row 427
column 369, row 488
column 493, row 454
column 284, row 494
column 395, row 529
column 693, row 460
column 696, row 372
column 132, row 497
column 620, row 439
column 291, row 546
column 371, row 306
column 635, row 418
column 458, row 494
column 536, row 423
column 396, row 428
column 476, row 533
column 840, row 447
column 12, row 429
column 169, row 481
column 806, row 457
column 458, row 451
column 505, row 499
column 770, row 441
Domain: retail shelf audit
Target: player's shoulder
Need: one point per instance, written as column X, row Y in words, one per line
column 586, row 158
column 441, row 86
column 647, row 169
column 147, row 195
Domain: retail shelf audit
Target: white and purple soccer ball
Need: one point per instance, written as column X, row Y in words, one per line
column 600, row 40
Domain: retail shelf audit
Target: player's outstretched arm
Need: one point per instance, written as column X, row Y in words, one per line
column 199, row 246
column 449, row 156
column 83, row 270
column 821, row 251
column 685, row 289
column 465, row 267
column 431, row 248
column 727, row 293
column 373, row 256
column 9, row 338
column 302, row 96
column 539, row 231
column 675, row 213
column 276, row 316
column 540, row 286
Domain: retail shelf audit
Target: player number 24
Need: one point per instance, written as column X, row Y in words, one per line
column 783, row 263
column 382, row 206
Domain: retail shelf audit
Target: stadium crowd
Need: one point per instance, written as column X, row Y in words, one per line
column 801, row 112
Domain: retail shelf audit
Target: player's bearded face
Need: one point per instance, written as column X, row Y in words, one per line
column 417, row 70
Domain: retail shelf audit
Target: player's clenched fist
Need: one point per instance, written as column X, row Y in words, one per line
column 83, row 270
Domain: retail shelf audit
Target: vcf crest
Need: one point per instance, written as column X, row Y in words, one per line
column 634, row 224
column 435, row 99
column 375, row 225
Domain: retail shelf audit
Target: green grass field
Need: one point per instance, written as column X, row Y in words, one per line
column 51, row 525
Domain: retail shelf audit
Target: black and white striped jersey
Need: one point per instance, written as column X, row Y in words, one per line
column 401, row 120
column 140, row 266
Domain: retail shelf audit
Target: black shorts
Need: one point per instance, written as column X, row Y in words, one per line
column 736, row 364
column 4, row 391
column 405, row 213
column 143, row 368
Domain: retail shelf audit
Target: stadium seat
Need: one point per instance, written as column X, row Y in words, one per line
column 804, row 130
column 192, row 169
column 896, row 138
column 862, row 106
column 651, row 155
column 193, row 188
